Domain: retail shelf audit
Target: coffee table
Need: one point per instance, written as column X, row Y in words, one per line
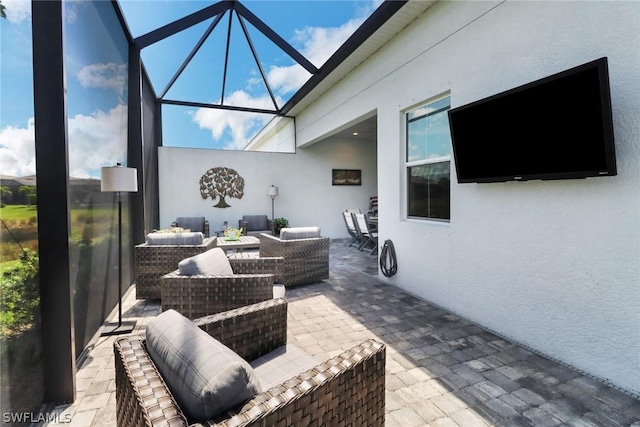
column 244, row 242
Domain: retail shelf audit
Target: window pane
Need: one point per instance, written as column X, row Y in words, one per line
column 97, row 80
column 21, row 358
column 429, row 191
column 428, row 134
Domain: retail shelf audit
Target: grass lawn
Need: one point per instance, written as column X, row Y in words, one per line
column 18, row 213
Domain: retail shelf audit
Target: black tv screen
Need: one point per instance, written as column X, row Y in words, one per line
column 559, row 127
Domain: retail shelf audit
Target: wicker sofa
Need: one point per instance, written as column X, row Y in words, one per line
column 219, row 283
column 156, row 257
column 305, row 253
column 346, row 390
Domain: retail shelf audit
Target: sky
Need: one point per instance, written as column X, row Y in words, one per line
column 96, row 78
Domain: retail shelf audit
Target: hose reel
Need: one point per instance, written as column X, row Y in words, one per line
column 388, row 259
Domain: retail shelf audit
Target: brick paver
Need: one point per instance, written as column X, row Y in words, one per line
column 442, row 370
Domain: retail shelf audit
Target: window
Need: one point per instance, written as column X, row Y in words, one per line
column 428, row 161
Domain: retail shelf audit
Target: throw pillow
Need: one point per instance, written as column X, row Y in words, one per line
column 213, row 262
column 204, row 376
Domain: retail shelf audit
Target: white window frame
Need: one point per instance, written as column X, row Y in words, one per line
column 407, row 165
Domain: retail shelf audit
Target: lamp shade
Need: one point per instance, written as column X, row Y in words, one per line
column 272, row 191
column 119, row 178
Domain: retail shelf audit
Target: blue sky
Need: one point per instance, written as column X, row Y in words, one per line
column 315, row 28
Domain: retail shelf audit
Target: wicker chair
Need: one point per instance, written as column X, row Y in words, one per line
column 306, row 260
column 154, row 261
column 193, row 223
column 346, row 390
column 255, row 225
column 200, row 295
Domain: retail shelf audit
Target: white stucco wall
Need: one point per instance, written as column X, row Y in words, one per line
column 555, row 264
column 306, row 196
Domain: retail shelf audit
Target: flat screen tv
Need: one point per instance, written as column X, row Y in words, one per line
column 558, row 127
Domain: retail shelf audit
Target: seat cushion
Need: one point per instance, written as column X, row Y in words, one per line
column 176, row 239
column 282, row 364
column 299, row 233
column 205, row 377
column 213, row 262
column 193, row 223
column 255, row 222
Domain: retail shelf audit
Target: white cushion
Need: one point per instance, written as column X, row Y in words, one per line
column 204, row 376
column 299, row 233
column 213, row 262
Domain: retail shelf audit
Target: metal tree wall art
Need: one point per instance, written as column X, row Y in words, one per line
column 220, row 182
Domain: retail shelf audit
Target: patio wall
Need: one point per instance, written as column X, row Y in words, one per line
column 552, row 264
column 306, row 196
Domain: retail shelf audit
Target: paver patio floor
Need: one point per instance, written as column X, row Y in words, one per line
column 442, row 370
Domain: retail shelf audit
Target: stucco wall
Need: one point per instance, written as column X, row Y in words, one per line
column 552, row 264
column 306, row 196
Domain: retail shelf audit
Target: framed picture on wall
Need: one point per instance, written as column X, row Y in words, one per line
column 346, row 177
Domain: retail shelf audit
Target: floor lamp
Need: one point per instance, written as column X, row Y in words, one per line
column 272, row 191
column 118, row 179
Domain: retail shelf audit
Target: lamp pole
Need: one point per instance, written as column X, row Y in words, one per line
column 272, row 191
column 118, row 179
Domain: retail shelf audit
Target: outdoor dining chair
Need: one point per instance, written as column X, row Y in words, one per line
column 365, row 233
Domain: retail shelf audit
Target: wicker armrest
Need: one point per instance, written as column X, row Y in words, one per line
column 251, row 331
column 199, row 295
column 267, row 265
column 142, row 397
column 346, row 390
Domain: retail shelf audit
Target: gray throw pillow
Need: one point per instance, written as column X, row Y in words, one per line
column 204, row 376
column 213, row 262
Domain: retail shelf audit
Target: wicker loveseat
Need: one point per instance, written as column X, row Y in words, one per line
column 305, row 253
column 160, row 255
column 210, row 283
column 346, row 390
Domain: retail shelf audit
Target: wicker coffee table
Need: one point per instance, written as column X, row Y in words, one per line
column 244, row 242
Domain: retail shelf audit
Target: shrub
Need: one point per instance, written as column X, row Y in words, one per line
column 278, row 224
column 20, row 295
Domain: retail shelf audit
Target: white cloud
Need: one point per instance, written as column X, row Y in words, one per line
column 92, row 139
column 105, row 76
column 17, row 150
column 317, row 44
column 17, row 11
column 241, row 125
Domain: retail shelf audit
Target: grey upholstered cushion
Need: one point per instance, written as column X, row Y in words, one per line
column 255, row 222
column 205, row 377
column 180, row 239
column 193, row 223
column 213, row 262
column 282, row 364
column 299, row 233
